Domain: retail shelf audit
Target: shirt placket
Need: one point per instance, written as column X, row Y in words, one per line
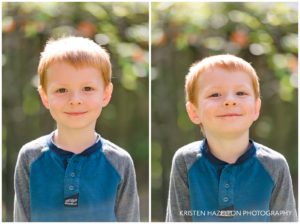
column 226, row 188
column 72, row 176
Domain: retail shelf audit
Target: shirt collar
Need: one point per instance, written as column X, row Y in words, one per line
column 93, row 148
column 247, row 155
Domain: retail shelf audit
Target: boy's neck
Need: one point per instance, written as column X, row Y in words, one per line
column 228, row 149
column 74, row 140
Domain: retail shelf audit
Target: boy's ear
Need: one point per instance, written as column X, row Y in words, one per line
column 107, row 94
column 43, row 96
column 257, row 108
column 192, row 112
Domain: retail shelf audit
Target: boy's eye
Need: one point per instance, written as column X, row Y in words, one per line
column 215, row 95
column 241, row 93
column 88, row 88
column 61, row 90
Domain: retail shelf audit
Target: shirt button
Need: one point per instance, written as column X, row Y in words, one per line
column 72, row 174
column 71, row 188
column 225, row 199
column 227, row 185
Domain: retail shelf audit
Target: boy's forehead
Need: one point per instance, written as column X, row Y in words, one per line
column 223, row 72
column 76, row 66
column 61, row 69
column 219, row 75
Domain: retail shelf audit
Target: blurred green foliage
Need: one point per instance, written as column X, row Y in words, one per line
column 121, row 28
column 265, row 34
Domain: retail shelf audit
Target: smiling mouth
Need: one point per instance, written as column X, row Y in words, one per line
column 230, row 115
column 75, row 113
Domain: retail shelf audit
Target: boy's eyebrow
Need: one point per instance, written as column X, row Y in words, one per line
column 222, row 86
column 212, row 86
column 57, row 84
column 218, row 87
column 245, row 86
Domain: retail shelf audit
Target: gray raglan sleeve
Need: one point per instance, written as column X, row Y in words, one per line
column 127, row 201
column 127, row 204
column 21, row 184
column 283, row 197
column 178, row 199
column 28, row 153
column 282, row 204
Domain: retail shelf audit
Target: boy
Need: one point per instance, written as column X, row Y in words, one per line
column 227, row 176
column 73, row 174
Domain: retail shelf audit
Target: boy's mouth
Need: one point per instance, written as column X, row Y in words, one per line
column 230, row 115
column 75, row 113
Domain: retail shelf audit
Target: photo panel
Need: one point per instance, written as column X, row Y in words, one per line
column 264, row 34
column 122, row 29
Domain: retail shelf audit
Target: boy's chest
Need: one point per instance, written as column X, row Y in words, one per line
column 78, row 188
column 244, row 187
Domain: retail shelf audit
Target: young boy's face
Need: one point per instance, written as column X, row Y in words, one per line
column 75, row 97
column 226, row 103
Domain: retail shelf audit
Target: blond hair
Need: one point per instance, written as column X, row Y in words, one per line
column 227, row 62
column 78, row 52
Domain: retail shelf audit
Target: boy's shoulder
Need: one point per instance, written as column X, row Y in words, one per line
column 192, row 148
column 119, row 158
column 32, row 150
column 267, row 154
column 113, row 150
column 269, row 158
column 272, row 160
column 188, row 154
column 35, row 145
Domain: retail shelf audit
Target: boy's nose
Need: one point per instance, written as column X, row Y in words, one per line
column 75, row 99
column 230, row 101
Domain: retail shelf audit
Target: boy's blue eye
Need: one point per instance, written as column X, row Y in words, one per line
column 88, row 88
column 61, row 90
column 215, row 95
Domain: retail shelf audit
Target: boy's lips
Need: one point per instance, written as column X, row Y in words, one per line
column 230, row 115
column 75, row 113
